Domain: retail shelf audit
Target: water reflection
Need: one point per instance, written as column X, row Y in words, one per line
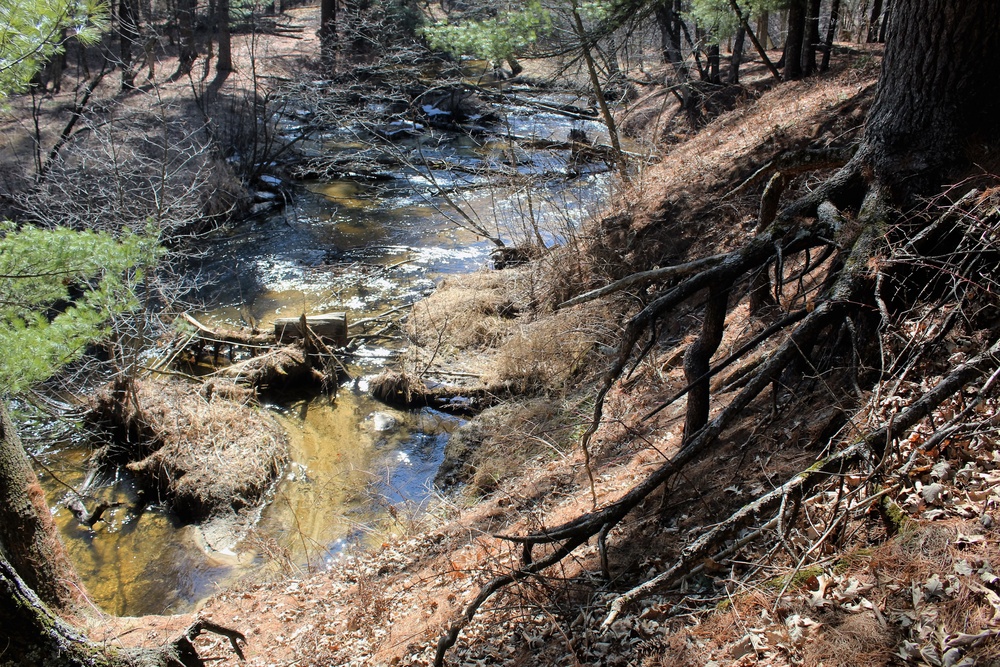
column 342, row 245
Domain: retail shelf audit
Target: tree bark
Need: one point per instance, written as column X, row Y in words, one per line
column 793, row 42
column 328, row 30
column 873, row 24
column 885, row 22
column 714, row 59
column 737, row 58
column 831, row 34
column 225, row 62
column 128, row 40
column 763, row 29
column 697, row 361
column 188, row 52
column 28, row 536
column 36, row 636
column 811, row 38
column 938, row 93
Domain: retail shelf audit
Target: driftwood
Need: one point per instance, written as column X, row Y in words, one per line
column 86, row 517
column 408, row 391
column 272, row 360
column 330, row 326
column 230, row 336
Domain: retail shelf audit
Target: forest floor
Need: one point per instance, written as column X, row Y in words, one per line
column 913, row 584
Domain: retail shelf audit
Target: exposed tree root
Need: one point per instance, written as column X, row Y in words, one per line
column 870, row 449
column 863, row 258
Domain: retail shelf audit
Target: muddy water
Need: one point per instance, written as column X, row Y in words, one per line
column 359, row 470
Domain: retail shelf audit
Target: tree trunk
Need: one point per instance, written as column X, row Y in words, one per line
column 764, row 29
column 737, row 58
column 668, row 16
column 831, row 34
column 328, row 30
column 873, row 24
column 670, row 38
column 793, row 42
column 811, row 38
column 36, row 636
column 188, row 52
column 885, row 22
column 128, row 39
column 937, row 95
column 225, row 62
column 714, row 59
column 28, row 535
column 33, row 636
column 609, row 119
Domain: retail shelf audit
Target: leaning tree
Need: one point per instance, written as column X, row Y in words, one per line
column 934, row 121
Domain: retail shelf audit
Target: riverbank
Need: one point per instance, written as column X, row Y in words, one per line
column 865, row 568
column 520, row 462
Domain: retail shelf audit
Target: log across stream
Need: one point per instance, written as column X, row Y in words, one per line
column 341, row 246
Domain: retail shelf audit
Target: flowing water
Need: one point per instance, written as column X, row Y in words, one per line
column 358, row 469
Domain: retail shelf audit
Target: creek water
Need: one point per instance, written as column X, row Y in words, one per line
column 358, row 469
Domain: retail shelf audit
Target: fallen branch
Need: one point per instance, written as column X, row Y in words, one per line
column 644, row 278
column 228, row 336
column 871, row 447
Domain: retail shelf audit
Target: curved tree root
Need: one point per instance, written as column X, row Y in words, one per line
column 783, row 237
column 870, row 448
column 185, row 652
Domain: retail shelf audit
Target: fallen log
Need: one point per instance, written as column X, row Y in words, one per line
column 403, row 390
column 230, row 336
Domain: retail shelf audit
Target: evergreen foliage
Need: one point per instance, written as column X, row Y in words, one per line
column 34, row 31
column 59, row 288
column 719, row 20
column 494, row 39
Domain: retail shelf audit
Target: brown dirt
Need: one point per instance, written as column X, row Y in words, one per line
column 866, row 597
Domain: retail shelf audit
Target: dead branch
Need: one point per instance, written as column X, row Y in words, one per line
column 645, row 278
column 870, row 448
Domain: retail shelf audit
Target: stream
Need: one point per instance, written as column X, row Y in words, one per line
column 359, row 470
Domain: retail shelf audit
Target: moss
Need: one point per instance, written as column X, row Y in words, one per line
column 895, row 517
column 853, row 559
column 795, row 580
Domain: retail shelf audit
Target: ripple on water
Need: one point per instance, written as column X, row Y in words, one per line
column 340, row 246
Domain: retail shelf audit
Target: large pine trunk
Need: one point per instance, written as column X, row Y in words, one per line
column 793, row 40
column 33, row 635
column 936, row 104
column 28, row 535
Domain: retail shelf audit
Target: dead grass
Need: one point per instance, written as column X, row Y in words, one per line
column 406, row 591
column 205, row 452
column 498, row 442
column 470, row 312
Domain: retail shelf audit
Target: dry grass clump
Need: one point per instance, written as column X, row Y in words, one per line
column 395, row 388
column 208, row 451
column 546, row 353
column 495, row 445
column 473, row 311
column 857, row 639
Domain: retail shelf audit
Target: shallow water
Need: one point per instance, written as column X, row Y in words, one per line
column 348, row 246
